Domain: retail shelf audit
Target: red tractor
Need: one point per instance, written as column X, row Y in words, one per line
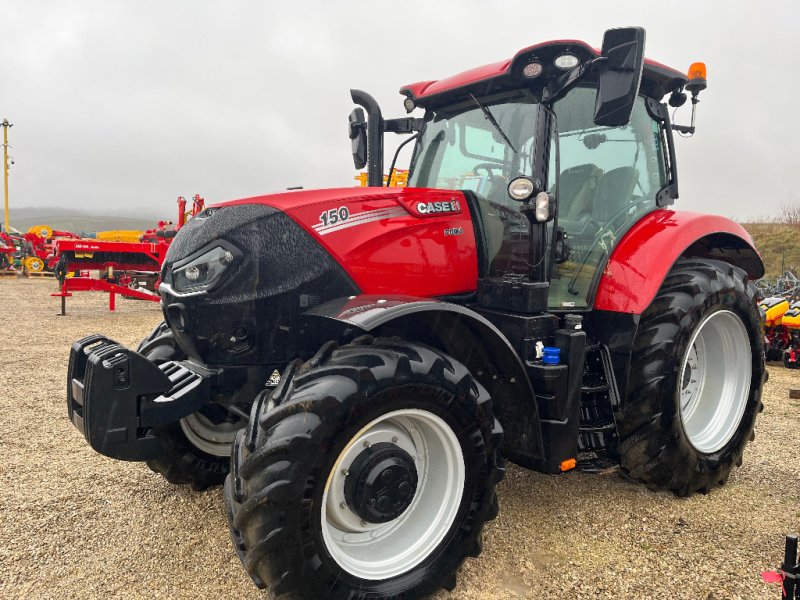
column 356, row 363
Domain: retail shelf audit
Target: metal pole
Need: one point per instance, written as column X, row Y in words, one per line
column 6, row 125
column 789, row 567
column 783, row 262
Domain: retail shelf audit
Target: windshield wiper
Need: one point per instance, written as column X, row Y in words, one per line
column 490, row 117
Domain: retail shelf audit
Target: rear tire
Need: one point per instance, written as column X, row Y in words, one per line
column 298, row 497
column 694, row 391
column 197, row 448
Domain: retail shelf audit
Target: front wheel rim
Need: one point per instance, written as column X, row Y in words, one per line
column 714, row 382
column 377, row 551
column 211, row 438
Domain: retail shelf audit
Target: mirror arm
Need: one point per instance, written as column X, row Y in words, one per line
column 404, row 125
column 558, row 87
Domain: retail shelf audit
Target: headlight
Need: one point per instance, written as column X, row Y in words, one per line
column 202, row 273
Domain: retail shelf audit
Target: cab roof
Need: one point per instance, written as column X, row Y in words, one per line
column 657, row 79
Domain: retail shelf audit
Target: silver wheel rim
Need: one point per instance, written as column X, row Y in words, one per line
column 209, row 437
column 715, row 381
column 376, row 551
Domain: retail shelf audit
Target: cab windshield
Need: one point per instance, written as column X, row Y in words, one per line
column 464, row 148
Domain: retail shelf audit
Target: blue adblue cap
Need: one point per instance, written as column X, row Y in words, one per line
column 551, row 356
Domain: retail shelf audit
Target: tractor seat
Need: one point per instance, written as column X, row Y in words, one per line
column 576, row 191
column 614, row 193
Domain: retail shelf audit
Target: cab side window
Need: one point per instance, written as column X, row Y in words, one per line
column 608, row 178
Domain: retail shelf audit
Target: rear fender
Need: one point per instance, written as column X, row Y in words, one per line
column 644, row 256
column 459, row 332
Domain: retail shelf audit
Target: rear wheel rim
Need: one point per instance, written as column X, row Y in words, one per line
column 715, row 381
column 377, row 551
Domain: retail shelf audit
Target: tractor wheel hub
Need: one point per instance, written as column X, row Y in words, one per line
column 381, row 483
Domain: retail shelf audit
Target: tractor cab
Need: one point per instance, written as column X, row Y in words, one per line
column 587, row 129
column 604, row 180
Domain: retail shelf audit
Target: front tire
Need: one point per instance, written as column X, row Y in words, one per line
column 369, row 473
column 694, row 391
column 197, row 448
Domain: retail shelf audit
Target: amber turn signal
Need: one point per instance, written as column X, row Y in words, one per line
column 569, row 464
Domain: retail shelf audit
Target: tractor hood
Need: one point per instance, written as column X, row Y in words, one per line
column 413, row 241
column 239, row 275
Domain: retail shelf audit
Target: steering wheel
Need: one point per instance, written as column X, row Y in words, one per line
column 488, row 167
column 493, row 176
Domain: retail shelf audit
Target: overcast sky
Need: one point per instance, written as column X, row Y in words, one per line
column 123, row 106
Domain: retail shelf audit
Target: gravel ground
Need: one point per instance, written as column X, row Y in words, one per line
column 74, row 524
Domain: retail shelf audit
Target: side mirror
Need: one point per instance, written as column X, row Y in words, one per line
column 357, row 132
column 620, row 75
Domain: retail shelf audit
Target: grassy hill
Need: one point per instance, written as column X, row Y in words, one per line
column 779, row 245
column 76, row 220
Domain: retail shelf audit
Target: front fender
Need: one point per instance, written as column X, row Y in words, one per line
column 644, row 256
column 459, row 332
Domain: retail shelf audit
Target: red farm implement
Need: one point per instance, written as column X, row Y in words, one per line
column 129, row 269
column 37, row 247
column 8, row 248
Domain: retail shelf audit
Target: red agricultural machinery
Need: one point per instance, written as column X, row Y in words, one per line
column 8, row 250
column 354, row 364
column 130, row 269
column 36, row 247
